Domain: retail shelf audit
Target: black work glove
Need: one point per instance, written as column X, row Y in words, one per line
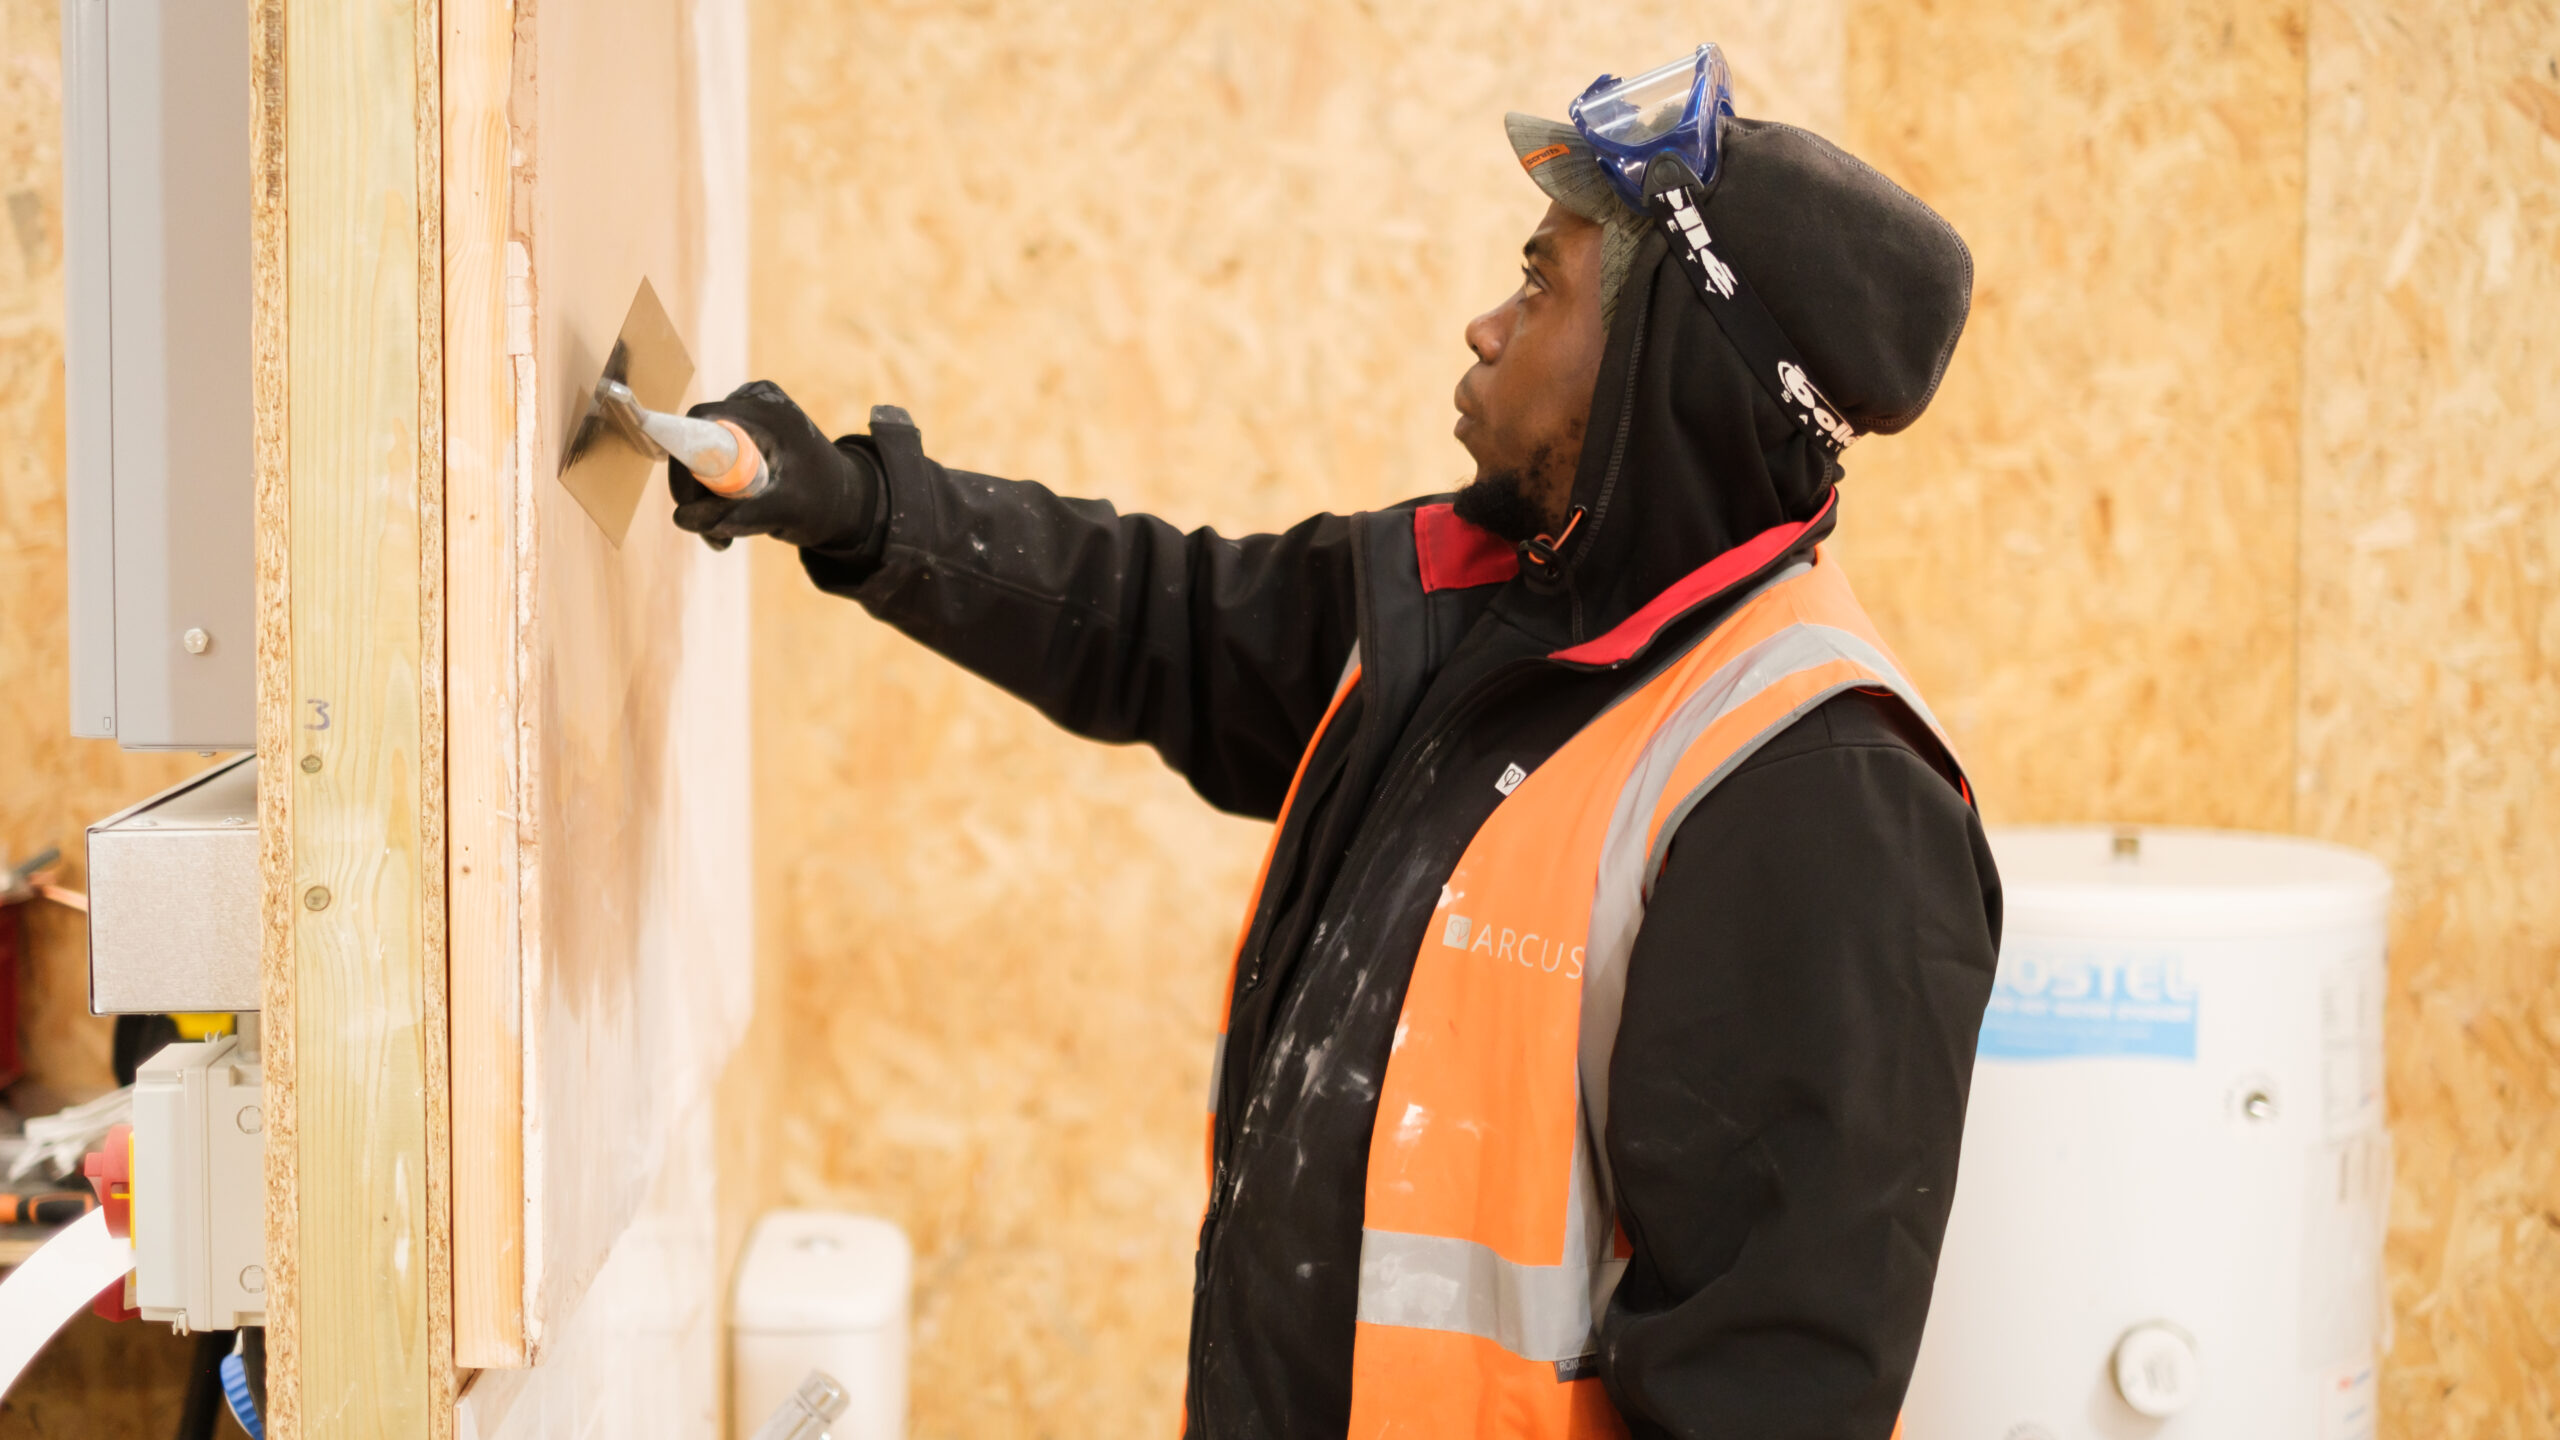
column 823, row 495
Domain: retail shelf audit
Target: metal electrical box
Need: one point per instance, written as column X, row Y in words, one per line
column 156, row 190
column 173, row 899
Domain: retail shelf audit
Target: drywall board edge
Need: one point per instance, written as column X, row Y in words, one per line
column 484, row 795
column 631, row 850
column 643, row 1356
column 350, row 592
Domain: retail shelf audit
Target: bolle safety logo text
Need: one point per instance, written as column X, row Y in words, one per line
column 1799, row 388
column 1504, row 945
column 1693, row 228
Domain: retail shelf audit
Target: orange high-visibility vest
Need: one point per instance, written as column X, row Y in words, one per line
column 1489, row 1245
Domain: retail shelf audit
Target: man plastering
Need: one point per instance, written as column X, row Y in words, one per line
column 1595, row 1055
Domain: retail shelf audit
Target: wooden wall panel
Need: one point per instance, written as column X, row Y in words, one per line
column 350, row 581
column 484, row 289
column 602, row 930
column 2086, row 551
column 2431, row 653
column 642, row 1355
column 51, row 785
column 1210, row 259
column 638, row 766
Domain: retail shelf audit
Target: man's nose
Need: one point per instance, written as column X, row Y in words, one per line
column 1484, row 336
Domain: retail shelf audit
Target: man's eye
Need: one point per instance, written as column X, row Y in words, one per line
column 1529, row 278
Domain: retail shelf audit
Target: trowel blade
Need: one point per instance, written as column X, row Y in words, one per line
column 601, row 466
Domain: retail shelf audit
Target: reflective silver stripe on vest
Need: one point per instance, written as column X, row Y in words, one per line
column 1629, row 858
column 1537, row 1312
column 1217, row 1067
column 1550, row 1312
column 1843, row 645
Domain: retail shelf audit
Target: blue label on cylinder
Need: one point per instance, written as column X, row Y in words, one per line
column 2062, row 1002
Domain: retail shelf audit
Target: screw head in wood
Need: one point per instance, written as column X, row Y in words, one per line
column 316, row 898
column 310, row 764
column 196, row 641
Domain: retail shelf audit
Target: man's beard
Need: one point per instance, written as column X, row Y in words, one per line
column 1506, row 501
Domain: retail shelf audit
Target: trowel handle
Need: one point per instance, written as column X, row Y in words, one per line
column 746, row 476
column 717, row 452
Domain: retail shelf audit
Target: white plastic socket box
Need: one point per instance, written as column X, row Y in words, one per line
column 199, row 1187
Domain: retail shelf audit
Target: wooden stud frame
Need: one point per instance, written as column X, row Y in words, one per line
column 408, row 689
column 351, row 727
column 494, row 894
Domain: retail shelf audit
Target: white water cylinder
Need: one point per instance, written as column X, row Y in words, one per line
column 2168, row 1221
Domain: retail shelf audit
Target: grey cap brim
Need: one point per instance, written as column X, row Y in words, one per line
column 1564, row 165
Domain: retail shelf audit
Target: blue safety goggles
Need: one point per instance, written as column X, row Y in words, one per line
column 1680, row 110
column 1680, row 107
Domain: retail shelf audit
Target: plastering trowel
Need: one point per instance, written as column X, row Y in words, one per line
column 628, row 426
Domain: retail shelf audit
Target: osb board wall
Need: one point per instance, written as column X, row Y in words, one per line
column 2431, row 652
column 2086, row 549
column 1211, row 260
column 2229, row 517
column 51, row 786
column 2185, row 540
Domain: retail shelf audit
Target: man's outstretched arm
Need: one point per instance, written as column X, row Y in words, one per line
column 1221, row 653
column 1788, row 1090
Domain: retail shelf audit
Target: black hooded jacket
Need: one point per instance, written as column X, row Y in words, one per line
column 1803, row 998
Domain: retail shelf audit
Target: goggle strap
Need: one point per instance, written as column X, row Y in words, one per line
column 1746, row 321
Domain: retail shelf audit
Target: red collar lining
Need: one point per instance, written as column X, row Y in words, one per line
column 1632, row 634
column 1455, row 553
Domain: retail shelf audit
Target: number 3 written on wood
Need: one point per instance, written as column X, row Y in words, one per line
column 319, row 715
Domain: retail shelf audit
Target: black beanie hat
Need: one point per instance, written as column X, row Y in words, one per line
column 1871, row 285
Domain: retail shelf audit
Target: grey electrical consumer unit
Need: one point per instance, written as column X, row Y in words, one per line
column 155, row 161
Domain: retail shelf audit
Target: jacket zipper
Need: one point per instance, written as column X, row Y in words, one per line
column 1617, row 458
column 1399, row 781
